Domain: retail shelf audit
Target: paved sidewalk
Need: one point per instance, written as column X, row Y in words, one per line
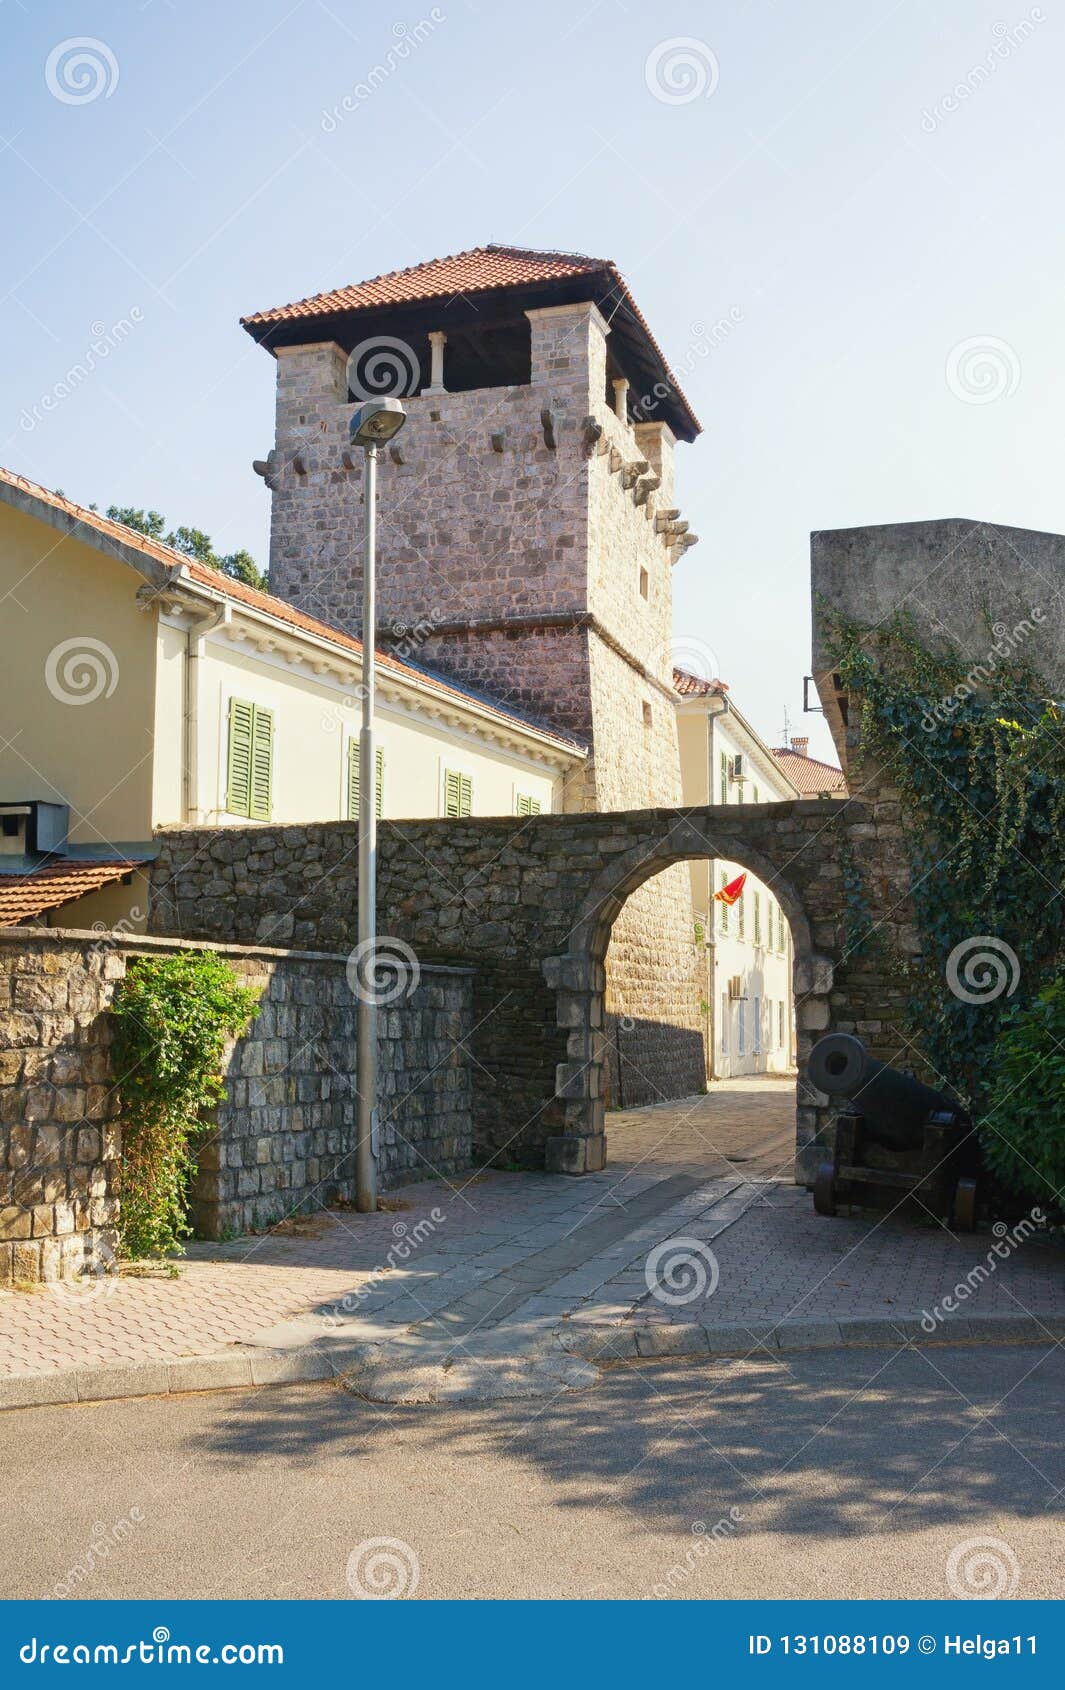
column 692, row 1240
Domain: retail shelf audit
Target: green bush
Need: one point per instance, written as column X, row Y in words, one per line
column 1023, row 1129
column 173, row 1017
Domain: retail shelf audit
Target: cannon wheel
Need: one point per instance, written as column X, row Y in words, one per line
column 965, row 1205
column 825, row 1189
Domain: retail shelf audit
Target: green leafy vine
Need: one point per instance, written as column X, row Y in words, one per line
column 977, row 756
column 173, row 1017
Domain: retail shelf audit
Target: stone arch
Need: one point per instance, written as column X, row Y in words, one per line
column 578, row 977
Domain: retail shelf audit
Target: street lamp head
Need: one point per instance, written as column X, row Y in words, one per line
column 376, row 422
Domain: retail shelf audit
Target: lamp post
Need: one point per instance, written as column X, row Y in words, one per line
column 372, row 425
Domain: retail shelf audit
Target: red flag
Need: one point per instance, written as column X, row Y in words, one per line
column 728, row 894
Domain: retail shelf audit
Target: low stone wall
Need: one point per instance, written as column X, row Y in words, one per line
column 282, row 1142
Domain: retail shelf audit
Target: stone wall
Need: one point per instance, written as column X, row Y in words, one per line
column 532, row 906
column 60, row 1144
column 283, row 1140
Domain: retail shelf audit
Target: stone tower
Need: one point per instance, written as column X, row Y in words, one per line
column 526, row 539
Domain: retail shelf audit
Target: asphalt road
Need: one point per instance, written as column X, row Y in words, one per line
column 860, row 1473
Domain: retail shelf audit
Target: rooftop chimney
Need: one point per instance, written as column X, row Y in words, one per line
column 801, row 746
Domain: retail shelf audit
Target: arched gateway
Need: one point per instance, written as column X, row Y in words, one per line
column 530, row 904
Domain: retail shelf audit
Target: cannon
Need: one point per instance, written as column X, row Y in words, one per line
column 894, row 1136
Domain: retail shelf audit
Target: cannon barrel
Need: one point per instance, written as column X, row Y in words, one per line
column 895, row 1105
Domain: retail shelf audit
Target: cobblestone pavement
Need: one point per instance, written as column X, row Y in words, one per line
column 483, row 1271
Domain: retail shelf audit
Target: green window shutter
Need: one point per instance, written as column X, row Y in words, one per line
column 758, row 918
column 458, row 793
column 742, row 907
column 239, row 757
column 262, row 764
column 353, row 780
column 723, row 918
column 528, row 806
column 724, row 777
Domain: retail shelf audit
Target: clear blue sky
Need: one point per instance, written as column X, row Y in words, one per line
column 815, row 185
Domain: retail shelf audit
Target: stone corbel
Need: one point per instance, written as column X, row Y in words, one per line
column 593, row 433
column 267, row 467
column 547, row 423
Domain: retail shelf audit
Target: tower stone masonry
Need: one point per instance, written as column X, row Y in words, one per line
column 526, row 541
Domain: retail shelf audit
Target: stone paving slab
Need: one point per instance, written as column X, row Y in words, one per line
column 511, row 1285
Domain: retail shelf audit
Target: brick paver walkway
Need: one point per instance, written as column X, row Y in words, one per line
column 499, row 1260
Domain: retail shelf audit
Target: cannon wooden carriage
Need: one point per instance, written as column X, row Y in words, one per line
column 895, row 1137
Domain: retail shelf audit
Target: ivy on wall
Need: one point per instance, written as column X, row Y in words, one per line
column 978, row 757
column 173, row 1017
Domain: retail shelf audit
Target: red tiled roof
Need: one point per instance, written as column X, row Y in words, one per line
column 694, row 686
column 29, row 893
column 482, row 269
column 266, row 602
column 810, row 775
column 476, row 271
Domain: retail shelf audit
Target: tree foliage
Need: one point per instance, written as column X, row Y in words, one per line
column 1024, row 1139
column 191, row 542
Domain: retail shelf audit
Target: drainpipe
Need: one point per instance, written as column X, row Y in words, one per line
column 195, row 637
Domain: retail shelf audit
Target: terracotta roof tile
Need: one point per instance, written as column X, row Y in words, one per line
column 239, row 593
column 475, row 271
column 695, row 686
column 27, row 894
column 810, row 775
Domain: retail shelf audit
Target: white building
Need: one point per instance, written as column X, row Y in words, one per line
column 747, row 948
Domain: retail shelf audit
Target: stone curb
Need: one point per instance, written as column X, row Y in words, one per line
column 581, row 1340
column 157, row 1378
column 628, row 1341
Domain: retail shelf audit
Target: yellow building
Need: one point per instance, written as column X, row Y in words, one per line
column 141, row 689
